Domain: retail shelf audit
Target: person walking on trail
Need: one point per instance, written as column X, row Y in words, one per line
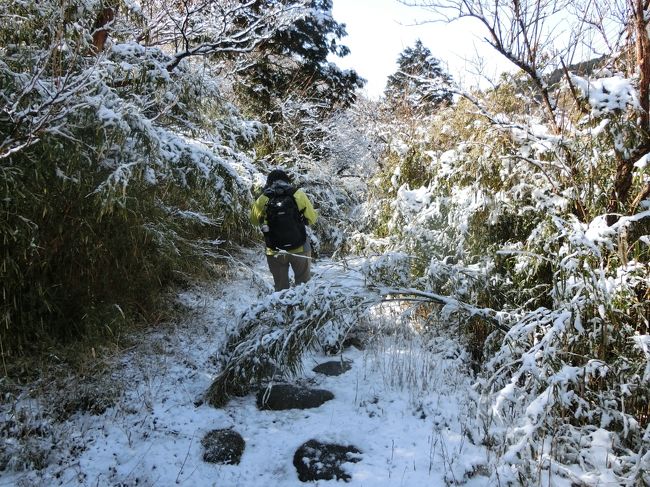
column 282, row 211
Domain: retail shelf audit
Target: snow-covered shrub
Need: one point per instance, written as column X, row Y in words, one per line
column 389, row 270
column 119, row 176
column 444, row 190
column 575, row 372
column 501, row 212
column 273, row 335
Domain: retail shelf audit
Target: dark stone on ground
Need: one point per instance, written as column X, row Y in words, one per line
column 335, row 367
column 223, row 446
column 323, row 461
column 287, row 396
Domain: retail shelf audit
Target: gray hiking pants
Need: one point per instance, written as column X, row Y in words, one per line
column 300, row 265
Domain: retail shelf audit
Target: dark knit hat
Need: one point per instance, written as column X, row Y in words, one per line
column 275, row 175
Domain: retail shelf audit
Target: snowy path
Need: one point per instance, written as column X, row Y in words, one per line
column 408, row 412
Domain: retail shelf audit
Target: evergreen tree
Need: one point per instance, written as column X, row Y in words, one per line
column 420, row 84
column 293, row 64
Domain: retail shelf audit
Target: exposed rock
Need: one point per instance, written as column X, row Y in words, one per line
column 287, row 396
column 324, row 461
column 223, row 446
column 334, row 367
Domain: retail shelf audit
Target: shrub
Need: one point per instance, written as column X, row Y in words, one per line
column 118, row 179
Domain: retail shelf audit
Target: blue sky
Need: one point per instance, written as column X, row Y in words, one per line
column 379, row 30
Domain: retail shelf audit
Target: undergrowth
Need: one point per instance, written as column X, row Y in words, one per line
column 118, row 182
column 273, row 336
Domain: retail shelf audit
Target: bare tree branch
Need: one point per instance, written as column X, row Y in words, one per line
column 227, row 27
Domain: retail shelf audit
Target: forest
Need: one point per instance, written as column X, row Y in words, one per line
column 136, row 134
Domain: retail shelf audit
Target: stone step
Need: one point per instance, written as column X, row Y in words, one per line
column 333, row 368
column 279, row 397
column 324, row 461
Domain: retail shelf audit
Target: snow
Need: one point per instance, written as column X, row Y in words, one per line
column 407, row 405
column 128, row 49
column 642, row 163
column 415, row 200
column 607, row 95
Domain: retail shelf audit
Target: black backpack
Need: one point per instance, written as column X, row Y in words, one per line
column 286, row 223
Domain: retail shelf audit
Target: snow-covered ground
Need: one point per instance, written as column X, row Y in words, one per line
column 410, row 413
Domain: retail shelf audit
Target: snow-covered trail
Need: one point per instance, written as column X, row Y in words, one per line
column 409, row 412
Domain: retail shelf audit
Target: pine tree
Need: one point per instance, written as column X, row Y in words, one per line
column 293, row 64
column 420, row 84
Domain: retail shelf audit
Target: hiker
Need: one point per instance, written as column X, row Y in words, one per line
column 282, row 211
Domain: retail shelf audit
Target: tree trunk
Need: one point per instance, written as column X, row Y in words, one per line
column 642, row 58
column 100, row 35
column 623, row 183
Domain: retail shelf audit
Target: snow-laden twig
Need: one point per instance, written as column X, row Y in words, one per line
column 451, row 305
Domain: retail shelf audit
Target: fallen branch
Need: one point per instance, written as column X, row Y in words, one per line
column 274, row 335
column 497, row 318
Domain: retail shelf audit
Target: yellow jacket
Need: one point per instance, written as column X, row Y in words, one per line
column 258, row 214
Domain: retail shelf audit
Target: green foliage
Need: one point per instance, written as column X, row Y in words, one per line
column 414, row 169
column 290, row 83
column 501, row 210
column 294, row 62
column 420, row 84
column 117, row 181
column 79, row 262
